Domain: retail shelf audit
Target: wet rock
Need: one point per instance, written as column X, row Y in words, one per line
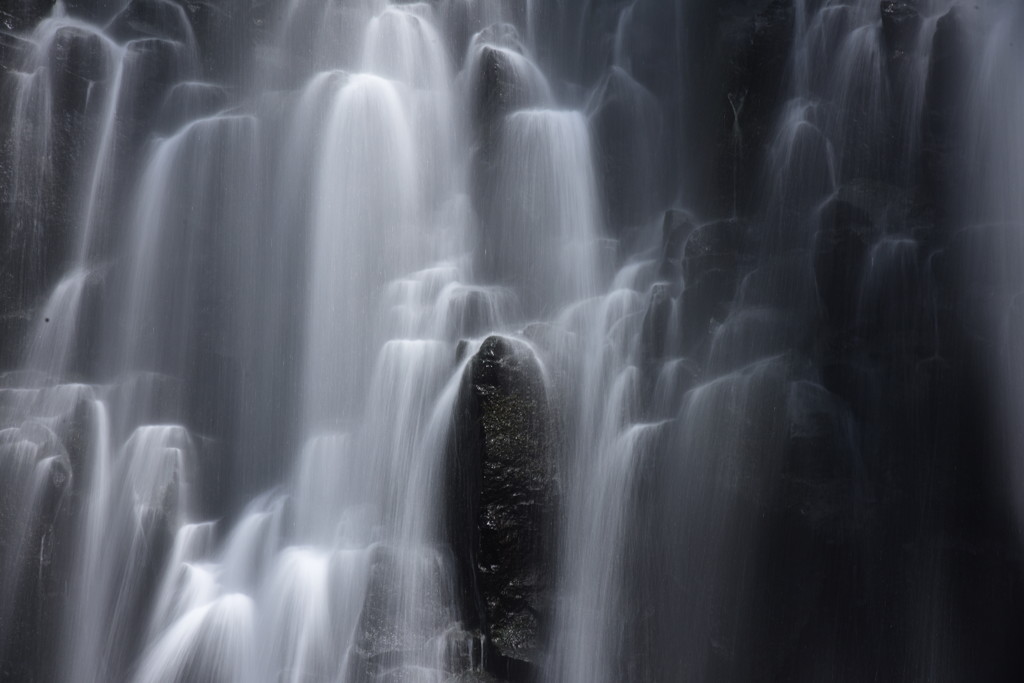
column 498, row 81
column 98, row 11
column 81, row 64
column 888, row 206
column 713, row 246
column 80, row 53
column 705, row 303
column 410, row 674
column 395, row 630
column 658, row 333
column 676, row 226
column 151, row 19
column 187, row 101
column 474, row 677
column 224, row 31
column 673, row 379
column 502, row 496
column 476, row 316
column 713, row 258
column 806, row 572
column 976, row 270
column 840, row 250
column 501, row 80
column 36, row 231
column 212, row 396
column 14, row 327
column 155, row 65
column 802, row 176
column 626, row 125
column 785, row 283
column 896, row 306
column 901, row 23
column 13, row 51
column 842, row 215
column 716, row 479
column 20, row 15
column 756, row 44
column 585, row 32
column 461, row 349
column 35, row 540
column 945, row 103
column 748, row 335
column 820, row 478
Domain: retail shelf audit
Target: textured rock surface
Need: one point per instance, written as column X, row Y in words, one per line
column 502, row 484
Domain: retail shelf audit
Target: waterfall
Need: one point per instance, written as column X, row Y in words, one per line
column 588, row 341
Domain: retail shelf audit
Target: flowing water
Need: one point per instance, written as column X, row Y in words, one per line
column 751, row 270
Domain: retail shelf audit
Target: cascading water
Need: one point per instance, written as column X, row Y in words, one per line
column 491, row 340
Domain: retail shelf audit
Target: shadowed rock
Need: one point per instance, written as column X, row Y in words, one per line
column 626, row 124
column 502, row 495
column 18, row 15
column 151, row 19
column 901, row 23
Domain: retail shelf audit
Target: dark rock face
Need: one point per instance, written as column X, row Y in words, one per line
column 714, row 246
column 154, row 66
column 188, row 101
column 626, row 124
column 498, row 91
column 865, row 440
column 93, row 10
column 704, row 304
column 657, row 335
column 151, row 19
column 713, row 482
column 13, row 51
column 500, row 82
column 841, row 247
column 18, row 15
column 755, row 43
column 387, row 641
column 37, row 555
column 502, row 486
column 80, row 53
column 945, row 104
column 676, row 226
column 900, row 25
column 714, row 257
column 35, row 211
column 222, row 31
column 40, row 505
column 748, row 335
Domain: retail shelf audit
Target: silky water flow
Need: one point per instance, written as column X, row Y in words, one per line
column 502, row 340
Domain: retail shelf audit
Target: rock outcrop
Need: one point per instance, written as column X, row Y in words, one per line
column 501, row 488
